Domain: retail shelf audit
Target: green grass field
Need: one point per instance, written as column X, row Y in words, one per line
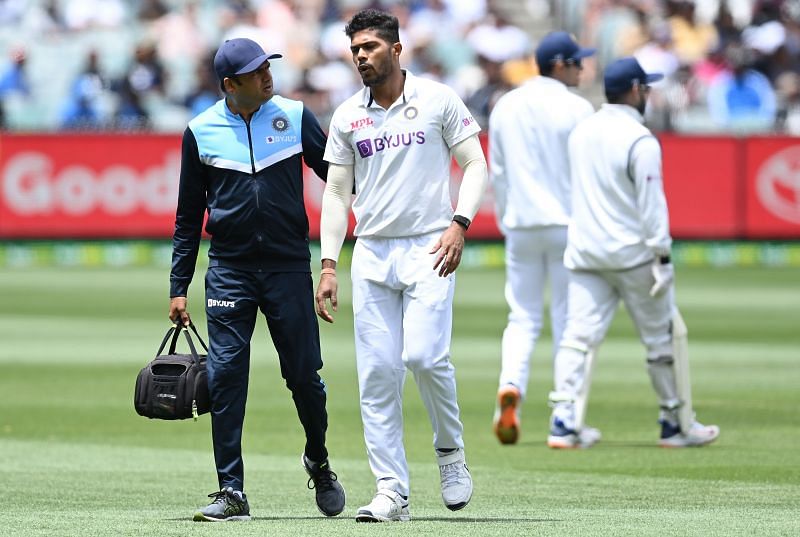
column 75, row 459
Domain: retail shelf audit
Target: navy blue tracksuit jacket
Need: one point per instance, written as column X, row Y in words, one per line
column 248, row 178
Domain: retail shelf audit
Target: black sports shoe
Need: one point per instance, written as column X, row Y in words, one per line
column 329, row 492
column 228, row 505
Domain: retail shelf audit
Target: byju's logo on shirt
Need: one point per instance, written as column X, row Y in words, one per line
column 214, row 303
column 368, row 147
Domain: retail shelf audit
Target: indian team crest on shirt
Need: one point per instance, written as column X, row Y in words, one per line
column 280, row 123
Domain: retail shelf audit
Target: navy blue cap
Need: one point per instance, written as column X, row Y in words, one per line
column 560, row 46
column 621, row 75
column 239, row 56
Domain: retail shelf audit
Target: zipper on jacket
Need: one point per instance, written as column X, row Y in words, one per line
column 252, row 163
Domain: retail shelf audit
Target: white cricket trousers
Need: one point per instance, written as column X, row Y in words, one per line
column 532, row 257
column 593, row 297
column 403, row 319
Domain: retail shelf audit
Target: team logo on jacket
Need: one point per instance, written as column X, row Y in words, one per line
column 368, row 147
column 280, row 123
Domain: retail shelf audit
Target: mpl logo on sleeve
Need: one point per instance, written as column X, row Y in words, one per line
column 361, row 123
column 778, row 184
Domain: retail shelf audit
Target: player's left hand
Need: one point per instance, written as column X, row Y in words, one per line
column 449, row 247
column 664, row 274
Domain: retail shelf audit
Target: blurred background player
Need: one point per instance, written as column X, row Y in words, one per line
column 618, row 247
column 528, row 132
column 393, row 140
column 242, row 163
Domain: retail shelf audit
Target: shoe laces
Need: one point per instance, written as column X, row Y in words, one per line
column 322, row 479
column 452, row 474
column 221, row 496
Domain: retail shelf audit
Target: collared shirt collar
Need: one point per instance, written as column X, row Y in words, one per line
column 547, row 81
column 625, row 109
column 409, row 90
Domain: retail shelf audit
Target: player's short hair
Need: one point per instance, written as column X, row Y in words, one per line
column 385, row 25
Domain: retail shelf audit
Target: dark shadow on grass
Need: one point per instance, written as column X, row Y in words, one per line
column 473, row 520
column 348, row 519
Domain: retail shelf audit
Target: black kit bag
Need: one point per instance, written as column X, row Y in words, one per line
column 174, row 386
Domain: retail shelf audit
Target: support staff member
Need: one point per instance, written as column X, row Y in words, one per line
column 242, row 164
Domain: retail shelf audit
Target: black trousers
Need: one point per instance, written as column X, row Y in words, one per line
column 233, row 299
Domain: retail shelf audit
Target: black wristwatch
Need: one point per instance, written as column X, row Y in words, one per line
column 463, row 221
column 664, row 260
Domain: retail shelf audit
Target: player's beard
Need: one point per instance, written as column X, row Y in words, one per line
column 642, row 104
column 379, row 73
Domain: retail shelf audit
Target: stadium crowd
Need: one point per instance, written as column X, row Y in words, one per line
column 731, row 65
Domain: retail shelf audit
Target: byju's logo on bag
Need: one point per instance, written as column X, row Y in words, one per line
column 214, row 303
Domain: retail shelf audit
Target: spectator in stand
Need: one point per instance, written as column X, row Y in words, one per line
column 13, row 81
column 206, row 90
column 658, row 54
column 178, row 36
column 742, row 99
column 693, row 39
column 83, row 106
column 14, row 78
column 495, row 42
column 788, row 89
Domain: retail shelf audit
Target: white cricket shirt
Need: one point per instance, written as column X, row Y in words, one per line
column 619, row 211
column 401, row 156
column 529, row 165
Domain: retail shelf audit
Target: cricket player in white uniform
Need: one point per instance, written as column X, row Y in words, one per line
column 528, row 131
column 393, row 142
column 618, row 247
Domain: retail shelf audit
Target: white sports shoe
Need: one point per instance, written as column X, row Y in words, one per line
column 563, row 438
column 386, row 506
column 456, row 480
column 698, row 435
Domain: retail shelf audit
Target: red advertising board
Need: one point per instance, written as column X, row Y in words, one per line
column 701, row 182
column 125, row 186
column 99, row 186
column 772, row 209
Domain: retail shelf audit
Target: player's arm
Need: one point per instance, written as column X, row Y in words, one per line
column 188, row 226
column 333, row 228
column 469, row 155
column 497, row 172
column 645, row 169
